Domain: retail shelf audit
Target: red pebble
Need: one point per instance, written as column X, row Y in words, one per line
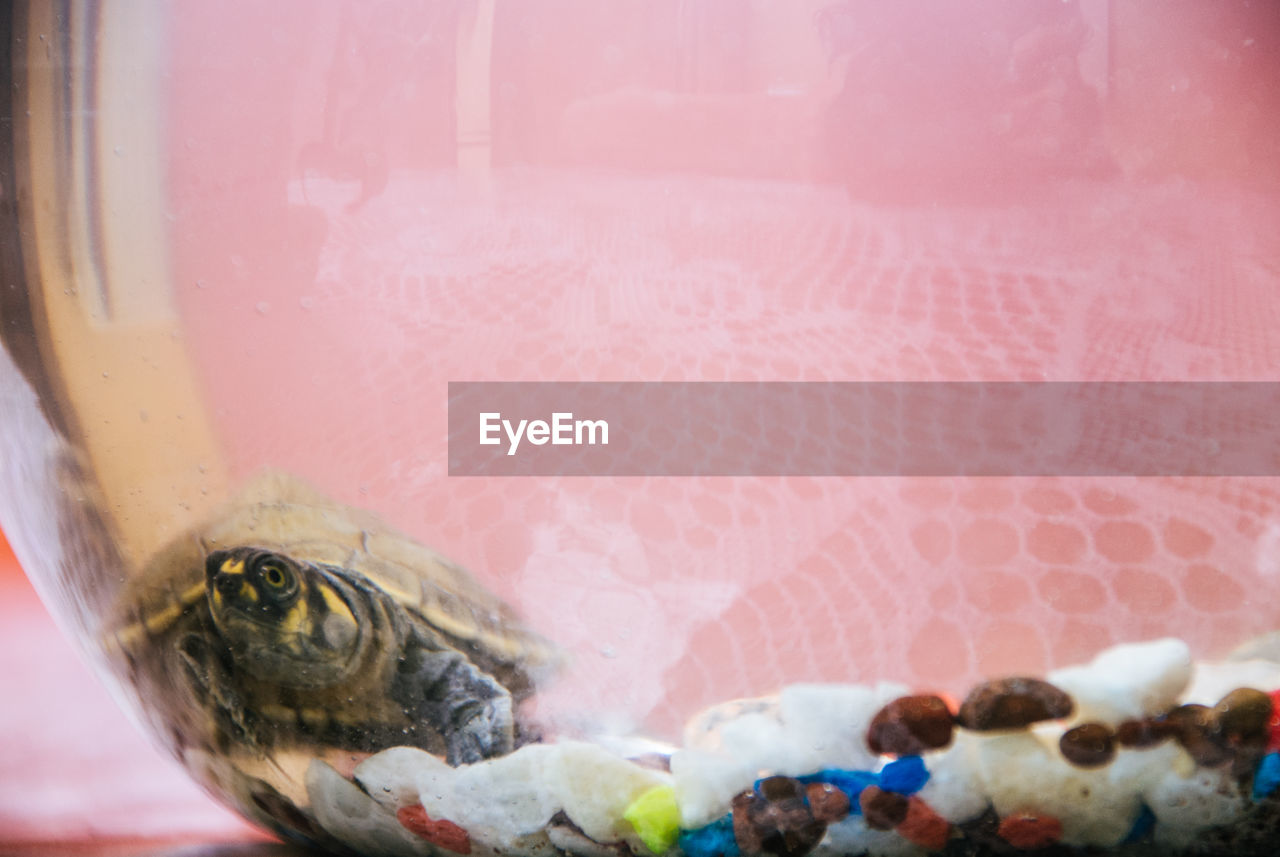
column 445, row 834
column 924, row 827
column 1273, row 726
column 1029, row 831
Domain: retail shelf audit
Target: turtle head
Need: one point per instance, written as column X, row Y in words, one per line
column 283, row 620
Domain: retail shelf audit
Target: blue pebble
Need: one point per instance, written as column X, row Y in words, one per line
column 905, row 776
column 714, row 840
column 1142, row 825
column 1267, row 778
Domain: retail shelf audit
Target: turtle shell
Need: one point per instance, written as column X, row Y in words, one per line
column 165, row 610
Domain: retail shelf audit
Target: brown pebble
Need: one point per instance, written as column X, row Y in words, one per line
column 882, row 810
column 777, row 789
column 1012, row 703
column 1199, row 734
column 1243, row 717
column 1141, row 734
column 1030, row 831
column 923, row 826
column 1089, row 745
column 776, row 820
column 911, row 725
column 826, row 802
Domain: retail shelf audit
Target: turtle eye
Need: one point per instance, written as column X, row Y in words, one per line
column 274, row 576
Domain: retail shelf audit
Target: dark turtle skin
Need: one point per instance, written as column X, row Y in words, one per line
column 294, row 623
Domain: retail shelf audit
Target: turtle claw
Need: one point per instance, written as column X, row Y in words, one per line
column 480, row 730
column 451, row 696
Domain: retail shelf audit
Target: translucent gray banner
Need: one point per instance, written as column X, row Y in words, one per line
column 864, row 429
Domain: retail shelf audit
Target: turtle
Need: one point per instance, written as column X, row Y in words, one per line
column 290, row 621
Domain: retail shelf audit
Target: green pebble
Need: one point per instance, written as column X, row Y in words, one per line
column 655, row 815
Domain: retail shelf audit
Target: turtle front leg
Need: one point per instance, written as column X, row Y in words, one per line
column 466, row 706
column 208, row 679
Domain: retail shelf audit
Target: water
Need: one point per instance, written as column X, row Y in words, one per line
column 269, row 247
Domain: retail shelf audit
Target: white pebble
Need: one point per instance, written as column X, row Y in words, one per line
column 852, row 836
column 353, row 817
column 533, row 845
column 1127, row 681
column 1186, row 805
column 595, row 787
column 1024, row 772
column 1212, row 681
column 631, row 746
column 955, row 790
column 567, row 839
column 804, row 729
column 503, row 801
column 1141, row 770
column 705, row 784
column 391, row 777
column 497, row 801
column 825, row 725
column 703, row 730
column 757, row 741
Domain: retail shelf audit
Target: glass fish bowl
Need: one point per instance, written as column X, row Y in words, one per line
column 688, row 428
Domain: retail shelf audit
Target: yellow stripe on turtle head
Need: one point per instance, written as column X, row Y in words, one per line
column 248, row 592
column 232, row 566
column 193, row 594
column 297, row 620
column 294, row 619
column 335, row 604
